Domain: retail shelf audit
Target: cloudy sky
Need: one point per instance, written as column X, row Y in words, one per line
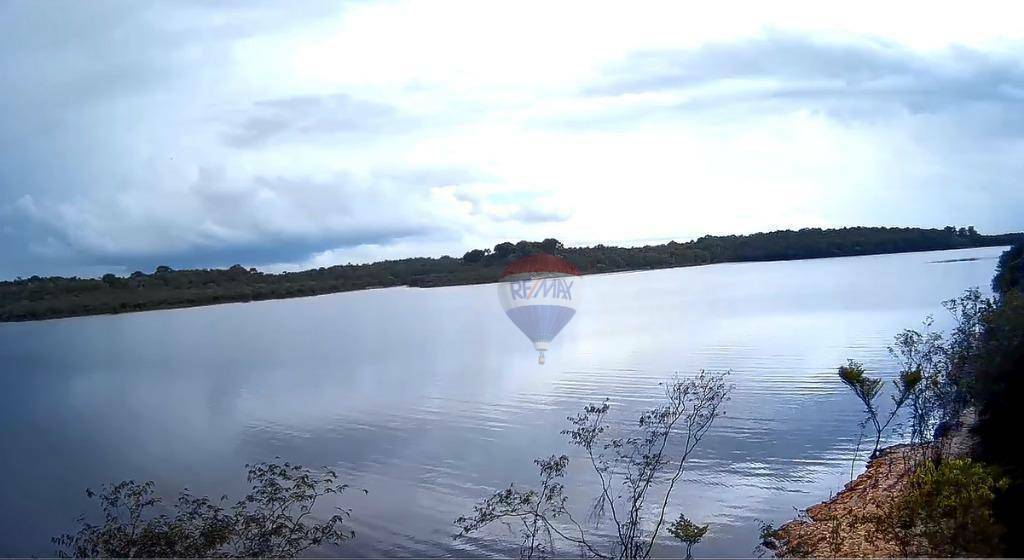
column 285, row 135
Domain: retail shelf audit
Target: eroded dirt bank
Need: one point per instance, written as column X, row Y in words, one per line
column 851, row 524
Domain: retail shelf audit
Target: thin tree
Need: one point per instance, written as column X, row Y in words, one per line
column 633, row 472
column 687, row 532
column 867, row 389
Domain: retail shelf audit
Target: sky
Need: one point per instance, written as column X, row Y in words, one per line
column 290, row 135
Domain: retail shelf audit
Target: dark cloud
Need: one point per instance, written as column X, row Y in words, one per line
column 218, row 221
column 313, row 118
column 66, row 260
column 268, row 251
column 107, row 108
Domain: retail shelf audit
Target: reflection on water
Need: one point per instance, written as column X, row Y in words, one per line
column 430, row 399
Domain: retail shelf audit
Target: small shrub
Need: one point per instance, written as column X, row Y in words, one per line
column 273, row 520
column 946, row 510
column 687, row 532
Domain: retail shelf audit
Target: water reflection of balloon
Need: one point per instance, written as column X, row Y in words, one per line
column 540, row 294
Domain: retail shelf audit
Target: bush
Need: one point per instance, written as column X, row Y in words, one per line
column 273, row 520
column 946, row 510
column 687, row 532
column 998, row 393
column 1010, row 271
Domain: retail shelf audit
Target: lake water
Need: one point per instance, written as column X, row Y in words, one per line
column 431, row 399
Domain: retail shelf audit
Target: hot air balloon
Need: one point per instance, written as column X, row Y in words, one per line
column 540, row 294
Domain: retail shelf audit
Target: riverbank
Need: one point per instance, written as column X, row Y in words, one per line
column 959, row 497
column 838, row 527
column 847, row 524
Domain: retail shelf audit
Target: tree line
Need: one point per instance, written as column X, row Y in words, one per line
column 50, row 297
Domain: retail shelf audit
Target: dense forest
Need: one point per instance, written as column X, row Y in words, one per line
column 44, row 298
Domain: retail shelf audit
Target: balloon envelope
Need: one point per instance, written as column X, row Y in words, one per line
column 540, row 295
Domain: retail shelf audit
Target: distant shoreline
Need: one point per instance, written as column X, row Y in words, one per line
column 38, row 298
column 371, row 288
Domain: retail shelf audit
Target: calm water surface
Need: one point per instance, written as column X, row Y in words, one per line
column 431, row 399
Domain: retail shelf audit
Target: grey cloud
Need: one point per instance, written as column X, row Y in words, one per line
column 533, row 215
column 74, row 53
column 847, row 79
column 469, row 198
column 776, row 56
column 83, row 80
column 313, row 118
column 433, row 177
column 509, row 207
column 99, row 100
column 958, row 114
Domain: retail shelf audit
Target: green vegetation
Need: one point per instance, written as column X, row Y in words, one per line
column 688, row 533
column 273, row 520
column 44, row 298
column 1010, row 272
column 946, row 511
column 867, row 389
column 998, row 391
column 958, row 502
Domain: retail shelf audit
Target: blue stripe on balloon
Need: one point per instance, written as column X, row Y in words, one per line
column 541, row 323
